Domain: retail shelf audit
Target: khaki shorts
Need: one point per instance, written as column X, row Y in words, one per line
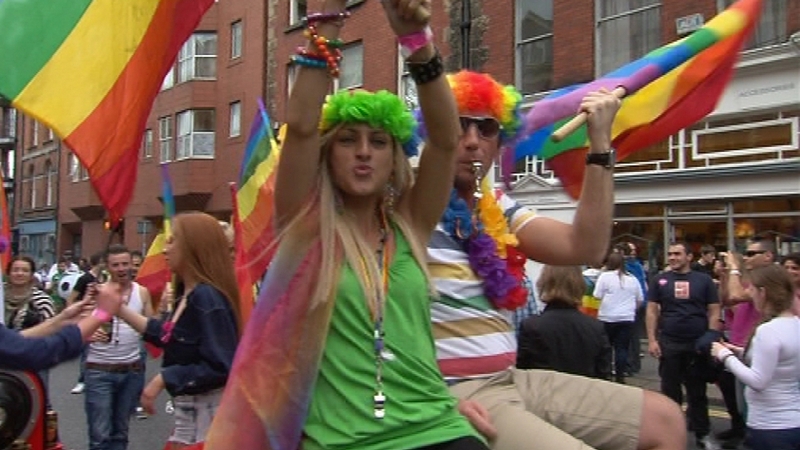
column 546, row 410
column 193, row 416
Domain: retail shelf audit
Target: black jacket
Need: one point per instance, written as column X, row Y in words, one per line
column 565, row 340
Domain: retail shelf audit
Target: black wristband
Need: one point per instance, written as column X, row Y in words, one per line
column 428, row 71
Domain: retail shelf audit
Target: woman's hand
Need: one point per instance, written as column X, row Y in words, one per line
column 407, row 16
column 150, row 394
column 478, row 416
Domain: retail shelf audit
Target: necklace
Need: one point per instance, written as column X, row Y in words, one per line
column 378, row 334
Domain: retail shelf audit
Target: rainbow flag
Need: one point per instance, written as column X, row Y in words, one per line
column 90, row 70
column 5, row 230
column 667, row 90
column 154, row 273
column 253, row 202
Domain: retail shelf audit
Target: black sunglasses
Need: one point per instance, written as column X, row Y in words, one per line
column 751, row 253
column 488, row 127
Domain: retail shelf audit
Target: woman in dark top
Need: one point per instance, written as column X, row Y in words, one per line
column 60, row 338
column 562, row 338
column 200, row 334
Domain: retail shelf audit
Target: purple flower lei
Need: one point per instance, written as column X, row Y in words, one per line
column 481, row 249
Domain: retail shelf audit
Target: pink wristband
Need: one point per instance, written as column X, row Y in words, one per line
column 410, row 43
column 103, row 315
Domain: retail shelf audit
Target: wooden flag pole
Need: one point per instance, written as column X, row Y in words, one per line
column 578, row 121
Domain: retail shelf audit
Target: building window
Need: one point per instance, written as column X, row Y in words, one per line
column 197, row 59
column 235, row 119
column 352, row 66
column 73, row 165
column 534, row 23
column 51, row 183
column 147, row 144
column 297, row 10
column 169, row 79
column 50, row 135
column 32, row 180
column 195, row 134
column 236, row 39
column 406, row 87
column 771, row 28
column 627, row 30
column 291, row 76
column 165, row 139
column 35, row 130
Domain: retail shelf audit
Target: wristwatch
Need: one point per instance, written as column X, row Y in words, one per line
column 605, row 160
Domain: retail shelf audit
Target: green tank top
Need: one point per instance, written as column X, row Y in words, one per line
column 419, row 408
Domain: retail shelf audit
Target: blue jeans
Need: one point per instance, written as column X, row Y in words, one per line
column 619, row 335
column 788, row 439
column 110, row 398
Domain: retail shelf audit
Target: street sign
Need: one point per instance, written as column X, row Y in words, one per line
column 688, row 24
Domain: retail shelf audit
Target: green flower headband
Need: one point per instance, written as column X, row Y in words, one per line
column 380, row 109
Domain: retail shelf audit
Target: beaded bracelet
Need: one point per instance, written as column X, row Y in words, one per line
column 326, row 17
column 309, row 62
column 322, row 43
column 425, row 72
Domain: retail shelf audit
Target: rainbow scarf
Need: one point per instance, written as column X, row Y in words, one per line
column 268, row 393
column 90, row 70
column 667, row 90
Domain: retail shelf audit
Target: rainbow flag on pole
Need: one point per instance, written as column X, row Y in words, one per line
column 253, row 202
column 667, row 90
column 90, row 69
column 154, row 273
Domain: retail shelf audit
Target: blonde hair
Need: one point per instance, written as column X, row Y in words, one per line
column 561, row 284
column 323, row 220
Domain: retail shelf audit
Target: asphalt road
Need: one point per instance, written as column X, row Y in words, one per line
column 151, row 433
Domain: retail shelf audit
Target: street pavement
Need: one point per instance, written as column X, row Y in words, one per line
column 151, row 433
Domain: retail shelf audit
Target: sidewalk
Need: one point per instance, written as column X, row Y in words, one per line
column 648, row 378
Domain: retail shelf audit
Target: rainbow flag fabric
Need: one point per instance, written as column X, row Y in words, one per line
column 154, row 273
column 667, row 90
column 90, row 70
column 253, row 208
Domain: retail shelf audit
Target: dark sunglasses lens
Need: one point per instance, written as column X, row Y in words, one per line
column 487, row 127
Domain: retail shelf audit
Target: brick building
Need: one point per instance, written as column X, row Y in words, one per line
column 8, row 147
column 734, row 169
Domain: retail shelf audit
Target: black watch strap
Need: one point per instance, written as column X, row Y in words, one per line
column 606, row 159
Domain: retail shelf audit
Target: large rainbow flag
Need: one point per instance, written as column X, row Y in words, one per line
column 667, row 90
column 90, row 69
column 253, row 208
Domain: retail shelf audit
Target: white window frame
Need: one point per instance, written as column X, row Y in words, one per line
column 165, row 132
column 51, row 179
column 295, row 13
column 520, row 44
column 344, row 66
column 291, row 77
column 169, row 79
column 188, row 59
column 50, row 134
column 35, row 129
column 187, row 135
column 147, row 144
column 406, row 88
column 779, row 29
column 599, row 21
column 237, row 39
column 73, row 165
column 33, row 190
column 235, row 119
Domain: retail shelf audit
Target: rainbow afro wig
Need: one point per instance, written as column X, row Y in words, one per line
column 380, row 109
column 480, row 94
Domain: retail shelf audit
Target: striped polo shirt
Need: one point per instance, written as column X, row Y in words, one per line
column 473, row 339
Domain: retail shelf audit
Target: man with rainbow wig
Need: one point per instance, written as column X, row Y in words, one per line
column 476, row 259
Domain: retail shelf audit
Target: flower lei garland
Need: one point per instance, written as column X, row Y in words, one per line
column 491, row 248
